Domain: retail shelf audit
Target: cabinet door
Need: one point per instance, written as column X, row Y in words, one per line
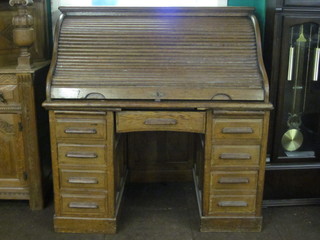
column 12, row 165
column 298, row 111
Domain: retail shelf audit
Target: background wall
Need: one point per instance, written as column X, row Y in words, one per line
column 259, row 5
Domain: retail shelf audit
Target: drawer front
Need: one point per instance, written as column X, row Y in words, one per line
column 235, row 155
column 83, row 179
column 161, row 121
column 245, row 180
column 232, row 204
column 237, row 129
column 9, row 94
column 81, row 204
column 81, row 127
column 79, row 154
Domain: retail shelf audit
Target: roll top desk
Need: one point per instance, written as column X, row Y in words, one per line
column 122, row 70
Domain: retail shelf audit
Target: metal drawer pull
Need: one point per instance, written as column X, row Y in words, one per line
column 237, row 130
column 160, row 121
column 83, row 205
column 233, row 204
column 80, row 131
column 2, row 99
column 237, row 156
column 81, row 155
column 84, row 180
column 226, row 180
column 316, row 64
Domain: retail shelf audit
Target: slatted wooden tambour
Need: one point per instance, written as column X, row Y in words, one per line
column 122, row 70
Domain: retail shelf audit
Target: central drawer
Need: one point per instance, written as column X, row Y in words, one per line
column 131, row 121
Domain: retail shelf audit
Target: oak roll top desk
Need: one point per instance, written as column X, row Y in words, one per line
column 122, row 70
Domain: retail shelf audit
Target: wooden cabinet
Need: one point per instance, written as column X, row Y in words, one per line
column 23, row 144
column 25, row 169
column 292, row 55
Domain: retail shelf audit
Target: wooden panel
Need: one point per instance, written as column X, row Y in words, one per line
column 85, row 225
column 8, row 91
column 83, row 179
column 81, row 126
column 160, row 156
column 81, row 154
column 225, row 224
column 87, row 204
column 8, row 51
column 237, row 129
column 12, row 165
column 130, row 121
column 235, row 155
column 235, row 180
column 232, row 204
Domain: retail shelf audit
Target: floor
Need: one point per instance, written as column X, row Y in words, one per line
column 166, row 211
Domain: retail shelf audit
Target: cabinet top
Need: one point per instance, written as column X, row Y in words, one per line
column 157, row 54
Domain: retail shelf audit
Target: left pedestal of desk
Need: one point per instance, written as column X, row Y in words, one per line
column 88, row 180
column 24, row 139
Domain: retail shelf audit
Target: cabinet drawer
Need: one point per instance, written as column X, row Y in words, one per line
column 80, row 126
column 232, row 204
column 83, row 179
column 237, row 129
column 9, row 94
column 83, row 204
column 235, row 155
column 79, row 154
column 245, row 180
column 161, row 121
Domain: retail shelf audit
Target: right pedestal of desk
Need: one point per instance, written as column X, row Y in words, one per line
column 231, row 188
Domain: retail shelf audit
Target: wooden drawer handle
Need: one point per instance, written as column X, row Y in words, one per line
column 81, row 155
column 160, row 121
column 84, row 180
column 83, row 205
column 237, row 156
column 229, row 180
column 80, row 131
column 237, row 130
column 233, row 204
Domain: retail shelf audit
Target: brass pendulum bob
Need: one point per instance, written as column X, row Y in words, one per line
column 292, row 140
